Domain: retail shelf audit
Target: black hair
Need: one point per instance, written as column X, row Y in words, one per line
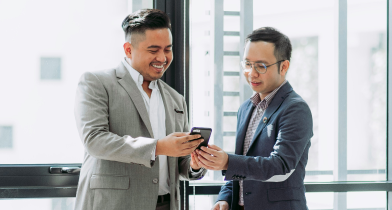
column 141, row 20
column 282, row 43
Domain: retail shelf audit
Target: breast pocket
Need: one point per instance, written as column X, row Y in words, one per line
column 179, row 122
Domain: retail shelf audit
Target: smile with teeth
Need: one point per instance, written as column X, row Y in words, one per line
column 158, row 67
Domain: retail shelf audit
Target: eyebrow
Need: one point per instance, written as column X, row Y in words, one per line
column 159, row 47
column 258, row 61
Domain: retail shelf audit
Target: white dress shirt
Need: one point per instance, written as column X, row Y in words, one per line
column 156, row 111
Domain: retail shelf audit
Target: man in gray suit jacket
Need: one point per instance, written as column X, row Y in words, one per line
column 274, row 128
column 132, row 126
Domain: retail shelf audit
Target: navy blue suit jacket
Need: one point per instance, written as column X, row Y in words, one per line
column 273, row 169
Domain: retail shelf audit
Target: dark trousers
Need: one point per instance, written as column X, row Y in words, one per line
column 163, row 206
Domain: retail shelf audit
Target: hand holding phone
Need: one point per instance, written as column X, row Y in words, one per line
column 205, row 134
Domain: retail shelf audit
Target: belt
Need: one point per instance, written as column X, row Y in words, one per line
column 163, row 198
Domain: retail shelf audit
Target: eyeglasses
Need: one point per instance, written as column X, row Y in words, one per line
column 259, row 66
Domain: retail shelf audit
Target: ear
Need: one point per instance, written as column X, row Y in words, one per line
column 127, row 49
column 284, row 67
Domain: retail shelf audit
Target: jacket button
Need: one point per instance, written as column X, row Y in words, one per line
column 248, row 193
column 155, row 181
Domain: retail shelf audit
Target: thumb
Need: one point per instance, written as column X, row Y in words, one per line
column 212, row 146
column 179, row 134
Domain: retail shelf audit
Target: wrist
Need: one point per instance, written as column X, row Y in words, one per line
column 227, row 162
column 158, row 148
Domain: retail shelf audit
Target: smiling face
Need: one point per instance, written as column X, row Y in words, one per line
column 152, row 54
column 264, row 84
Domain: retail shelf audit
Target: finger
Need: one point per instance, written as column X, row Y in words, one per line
column 206, row 166
column 189, row 138
column 201, row 163
column 197, row 142
column 207, row 163
column 207, row 156
column 180, row 134
column 192, row 144
column 194, row 160
column 193, row 137
column 213, row 146
column 210, row 151
column 194, row 154
column 202, row 160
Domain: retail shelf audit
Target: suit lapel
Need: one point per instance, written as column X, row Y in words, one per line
column 169, row 108
column 278, row 99
column 169, row 123
column 242, row 129
column 126, row 81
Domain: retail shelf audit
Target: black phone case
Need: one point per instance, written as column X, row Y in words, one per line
column 205, row 134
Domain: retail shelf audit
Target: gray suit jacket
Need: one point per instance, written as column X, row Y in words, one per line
column 112, row 120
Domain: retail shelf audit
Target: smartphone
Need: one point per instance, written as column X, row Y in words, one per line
column 205, row 134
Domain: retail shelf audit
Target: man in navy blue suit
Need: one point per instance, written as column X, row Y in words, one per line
column 274, row 128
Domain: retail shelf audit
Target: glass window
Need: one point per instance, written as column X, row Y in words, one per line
column 309, row 73
column 6, row 137
column 366, row 90
column 325, row 49
column 313, row 31
column 48, row 45
column 39, row 204
column 50, row 68
column 315, row 201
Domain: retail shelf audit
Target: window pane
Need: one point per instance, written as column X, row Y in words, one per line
column 312, row 74
column 309, row 72
column 315, row 201
column 46, row 46
column 39, row 204
column 366, row 90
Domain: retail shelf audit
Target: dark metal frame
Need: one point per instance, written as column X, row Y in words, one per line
column 177, row 75
column 35, row 181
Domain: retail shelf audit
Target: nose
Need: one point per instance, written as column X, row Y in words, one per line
column 161, row 57
column 253, row 72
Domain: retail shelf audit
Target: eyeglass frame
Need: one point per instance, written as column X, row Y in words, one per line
column 252, row 65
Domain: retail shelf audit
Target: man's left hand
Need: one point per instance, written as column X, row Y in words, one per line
column 213, row 158
column 194, row 161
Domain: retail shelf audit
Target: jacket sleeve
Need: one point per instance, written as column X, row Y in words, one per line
column 226, row 193
column 294, row 133
column 92, row 121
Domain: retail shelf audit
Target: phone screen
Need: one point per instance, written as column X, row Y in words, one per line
column 205, row 134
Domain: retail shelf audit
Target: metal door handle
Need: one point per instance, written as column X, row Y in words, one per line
column 64, row 170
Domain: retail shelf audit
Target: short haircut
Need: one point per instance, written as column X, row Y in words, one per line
column 282, row 43
column 141, row 20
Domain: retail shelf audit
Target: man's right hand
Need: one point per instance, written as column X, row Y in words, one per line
column 177, row 144
column 221, row 205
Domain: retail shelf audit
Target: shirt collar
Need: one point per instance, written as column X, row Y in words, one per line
column 255, row 99
column 136, row 76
